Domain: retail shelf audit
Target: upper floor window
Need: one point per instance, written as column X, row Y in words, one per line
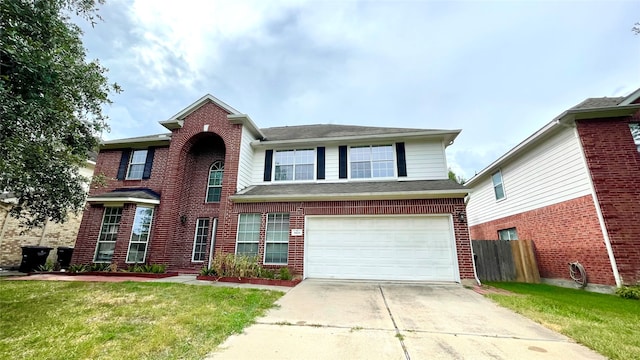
column 508, row 234
column 136, row 164
column 371, row 161
column 294, row 165
column 635, row 132
column 498, row 188
column 214, row 187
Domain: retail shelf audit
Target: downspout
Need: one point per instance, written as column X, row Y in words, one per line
column 473, row 257
column 603, row 226
column 214, row 229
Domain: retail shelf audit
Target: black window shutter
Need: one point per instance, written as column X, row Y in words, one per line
column 342, row 155
column 402, row 159
column 124, row 161
column 148, row 163
column 268, row 161
column 320, row 163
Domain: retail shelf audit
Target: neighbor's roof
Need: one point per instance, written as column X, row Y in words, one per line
column 591, row 108
column 136, row 195
column 373, row 190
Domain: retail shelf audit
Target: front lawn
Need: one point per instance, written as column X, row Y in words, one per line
column 132, row 320
column 606, row 323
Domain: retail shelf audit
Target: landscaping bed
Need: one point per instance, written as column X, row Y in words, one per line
column 104, row 273
column 245, row 280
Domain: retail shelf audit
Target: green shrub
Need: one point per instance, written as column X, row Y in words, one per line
column 231, row 265
column 147, row 268
column 100, row 267
column 79, row 268
column 629, row 292
column 48, row 266
column 267, row 274
column 208, row 272
column 285, row 274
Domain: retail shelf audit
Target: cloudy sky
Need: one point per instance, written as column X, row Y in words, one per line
column 497, row 70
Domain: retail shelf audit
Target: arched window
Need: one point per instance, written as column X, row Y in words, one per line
column 214, row 187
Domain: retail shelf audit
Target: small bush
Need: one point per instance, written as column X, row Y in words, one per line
column 285, row 274
column 79, row 268
column 267, row 274
column 208, row 272
column 629, row 292
column 100, row 267
column 148, row 268
column 48, row 266
column 231, row 265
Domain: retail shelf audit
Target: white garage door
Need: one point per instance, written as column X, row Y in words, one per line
column 380, row 248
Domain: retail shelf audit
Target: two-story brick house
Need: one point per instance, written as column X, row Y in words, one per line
column 328, row 201
column 572, row 188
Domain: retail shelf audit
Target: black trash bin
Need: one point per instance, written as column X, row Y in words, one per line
column 64, row 256
column 33, row 257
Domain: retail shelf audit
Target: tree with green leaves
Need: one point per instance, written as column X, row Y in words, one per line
column 459, row 179
column 51, row 102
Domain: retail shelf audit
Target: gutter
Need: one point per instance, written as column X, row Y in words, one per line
column 439, row 134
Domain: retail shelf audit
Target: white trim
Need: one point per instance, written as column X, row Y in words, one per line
column 266, row 231
column 195, row 237
column 119, row 201
column 596, row 203
column 131, row 163
column 146, row 248
column 95, row 252
column 214, row 229
column 314, row 178
column 630, row 98
column 206, row 195
column 198, row 103
column 245, row 121
column 238, row 232
column 395, row 195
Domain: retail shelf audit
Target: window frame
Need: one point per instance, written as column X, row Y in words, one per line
column 500, row 184
column 313, row 165
column 115, row 234
column 220, row 169
column 268, row 242
column 203, row 237
column 371, row 162
column 148, row 235
column 634, row 129
column 131, row 163
column 509, row 231
column 238, row 232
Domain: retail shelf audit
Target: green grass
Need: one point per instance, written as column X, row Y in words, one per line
column 606, row 323
column 132, row 320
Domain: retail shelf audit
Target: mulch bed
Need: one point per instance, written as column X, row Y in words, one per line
column 258, row 281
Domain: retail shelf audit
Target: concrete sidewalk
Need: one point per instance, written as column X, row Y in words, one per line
column 367, row 320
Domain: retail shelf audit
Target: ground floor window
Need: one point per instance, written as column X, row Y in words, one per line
column 277, row 239
column 108, row 234
column 248, row 236
column 200, row 240
column 140, row 235
column 508, row 234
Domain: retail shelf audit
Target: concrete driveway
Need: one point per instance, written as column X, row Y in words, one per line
column 369, row 320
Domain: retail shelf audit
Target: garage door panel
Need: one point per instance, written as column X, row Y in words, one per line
column 380, row 247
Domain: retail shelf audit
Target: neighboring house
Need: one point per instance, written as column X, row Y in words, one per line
column 328, row 201
column 572, row 188
column 51, row 234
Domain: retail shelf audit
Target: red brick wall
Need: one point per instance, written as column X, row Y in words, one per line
column 562, row 233
column 297, row 211
column 614, row 163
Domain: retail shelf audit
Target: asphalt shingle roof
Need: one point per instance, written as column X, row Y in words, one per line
column 318, row 131
column 598, row 103
column 352, row 187
column 139, row 193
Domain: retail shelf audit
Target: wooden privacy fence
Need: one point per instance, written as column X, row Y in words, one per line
column 500, row 260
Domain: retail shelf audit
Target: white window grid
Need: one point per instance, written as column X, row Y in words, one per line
column 294, row 165
column 277, row 239
column 498, row 187
column 108, row 234
column 214, row 185
column 140, row 232
column 373, row 161
column 635, row 133
column 200, row 240
column 136, row 165
column 248, row 234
